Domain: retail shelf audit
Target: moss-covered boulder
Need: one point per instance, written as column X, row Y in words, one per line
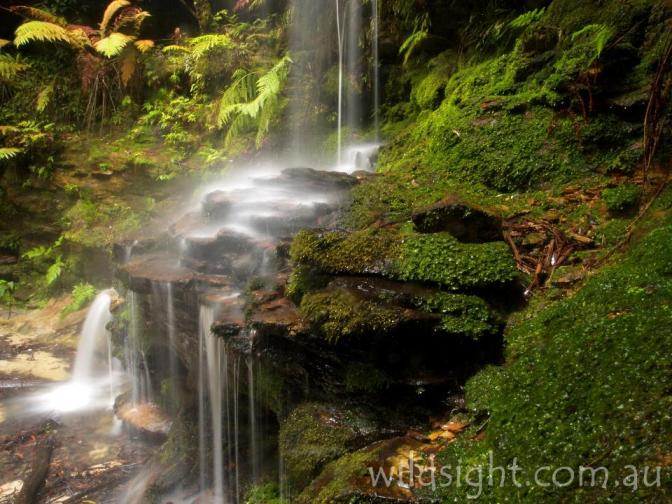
column 315, row 434
column 437, row 258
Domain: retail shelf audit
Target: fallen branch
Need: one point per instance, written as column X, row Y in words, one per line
column 38, row 473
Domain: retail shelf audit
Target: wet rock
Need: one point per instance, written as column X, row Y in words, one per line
column 278, row 317
column 144, row 419
column 213, row 248
column 141, row 272
column 468, row 223
column 319, row 179
column 217, row 205
column 230, row 318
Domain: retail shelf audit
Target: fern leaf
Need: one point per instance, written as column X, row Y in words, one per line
column 175, row 48
column 113, row 44
column 205, row 43
column 6, row 128
column 37, row 14
column 10, row 66
column 44, row 97
column 41, row 31
column 144, row 45
column 112, row 9
column 4, row 42
column 412, row 43
column 127, row 66
column 54, row 272
column 7, row 153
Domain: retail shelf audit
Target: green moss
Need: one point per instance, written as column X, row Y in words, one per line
column 311, row 436
column 428, row 93
column 267, row 493
column 340, row 476
column 462, row 315
column 339, row 314
column 435, row 258
column 584, row 384
column 303, row 279
column 622, row 198
column 439, row 258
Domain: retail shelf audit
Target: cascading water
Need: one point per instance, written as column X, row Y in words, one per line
column 134, row 353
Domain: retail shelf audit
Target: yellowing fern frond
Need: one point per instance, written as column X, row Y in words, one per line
column 7, row 128
column 7, row 153
column 37, row 14
column 144, row 45
column 41, row 31
column 112, row 9
column 4, row 42
column 113, row 44
column 10, row 66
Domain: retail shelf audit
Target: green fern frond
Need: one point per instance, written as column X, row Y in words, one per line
column 7, row 153
column 10, row 66
column 175, row 48
column 41, row 31
column 597, row 35
column 205, row 43
column 38, row 14
column 112, row 9
column 44, row 97
column 412, row 43
column 113, row 44
column 526, row 19
column 252, row 100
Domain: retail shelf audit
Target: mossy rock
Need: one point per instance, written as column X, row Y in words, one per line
column 315, row 434
column 433, row 258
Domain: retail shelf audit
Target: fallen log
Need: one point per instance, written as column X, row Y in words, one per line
column 38, row 472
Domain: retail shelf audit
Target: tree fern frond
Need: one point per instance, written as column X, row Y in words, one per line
column 41, row 31
column 10, row 66
column 144, row 45
column 44, row 97
column 7, row 153
column 113, row 44
column 110, row 11
column 37, row 14
column 205, row 43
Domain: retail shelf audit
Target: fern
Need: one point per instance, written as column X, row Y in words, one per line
column 10, row 66
column 205, row 43
column 4, row 42
column 526, row 19
column 112, row 9
column 127, row 66
column 7, row 153
column 144, row 45
column 37, row 14
column 113, row 44
column 598, row 36
column 252, row 100
column 44, row 97
column 41, row 31
column 412, row 43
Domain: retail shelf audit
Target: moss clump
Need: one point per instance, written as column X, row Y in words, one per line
column 463, row 315
column 439, row 258
column 311, row 436
column 339, row 314
column 584, row 385
column 267, row 493
column 428, row 93
column 622, row 198
column 303, row 279
column 436, row 258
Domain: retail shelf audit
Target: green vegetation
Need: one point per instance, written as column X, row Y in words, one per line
column 82, row 294
column 621, row 198
column 583, row 384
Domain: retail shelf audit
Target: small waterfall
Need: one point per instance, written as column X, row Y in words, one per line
column 376, row 68
column 135, row 358
column 254, row 448
column 340, row 39
column 92, row 338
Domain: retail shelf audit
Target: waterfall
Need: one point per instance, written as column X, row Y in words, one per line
column 135, row 358
column 93, row 336
column 340, row 37
column 376, row 69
